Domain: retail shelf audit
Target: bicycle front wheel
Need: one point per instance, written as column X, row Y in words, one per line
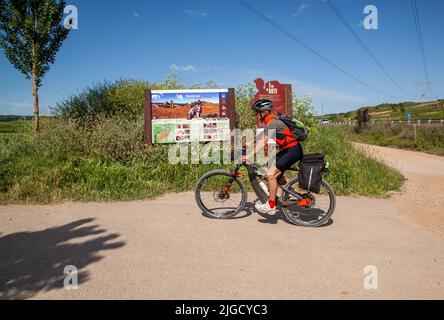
column 220, row 195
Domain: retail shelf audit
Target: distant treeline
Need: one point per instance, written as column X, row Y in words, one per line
column 9, row 118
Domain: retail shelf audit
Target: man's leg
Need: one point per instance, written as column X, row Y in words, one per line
column 270, row 205
column 286, row 160
column 281, row 179
column 273, row 174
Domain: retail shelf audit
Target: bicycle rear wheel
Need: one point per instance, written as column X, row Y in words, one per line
column 220, row 195
column 316, row 212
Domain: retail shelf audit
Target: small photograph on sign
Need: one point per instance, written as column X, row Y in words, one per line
column 187, row 105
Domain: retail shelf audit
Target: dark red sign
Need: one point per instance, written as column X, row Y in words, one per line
column 280, row 94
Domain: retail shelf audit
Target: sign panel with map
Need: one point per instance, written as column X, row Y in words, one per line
column 173, row 116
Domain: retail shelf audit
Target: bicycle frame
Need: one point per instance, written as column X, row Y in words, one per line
column 252, row 176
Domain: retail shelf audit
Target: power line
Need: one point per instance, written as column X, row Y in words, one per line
column 363, row 45
column 419, row 36
column 307, row 47
column 422, row 55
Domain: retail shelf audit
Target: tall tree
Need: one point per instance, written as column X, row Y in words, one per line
column 31, row 34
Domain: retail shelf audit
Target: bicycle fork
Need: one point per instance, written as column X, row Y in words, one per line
column 234, row 175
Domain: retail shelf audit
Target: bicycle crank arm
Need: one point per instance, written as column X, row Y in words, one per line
column 292, row 192
column 288, row 203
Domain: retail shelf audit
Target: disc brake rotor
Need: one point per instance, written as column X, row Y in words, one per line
column 220, row 196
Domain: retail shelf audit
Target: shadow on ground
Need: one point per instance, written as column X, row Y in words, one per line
column 274, row 218
column 249, row 209
column 34, row 261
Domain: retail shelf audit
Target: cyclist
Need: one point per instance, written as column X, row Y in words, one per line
column 199, row 109
column 191, row 113
column 290, row 151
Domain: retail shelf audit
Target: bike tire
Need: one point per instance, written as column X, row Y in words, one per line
column 316, row 223
column 207, row 211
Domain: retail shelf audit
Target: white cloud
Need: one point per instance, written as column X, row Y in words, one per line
column 300, row 10
column 195, row 13
column 321, row 93
column 184, row 68
column 136, row 14
column 336, row 99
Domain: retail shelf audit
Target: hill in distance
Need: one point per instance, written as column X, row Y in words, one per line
column 388, row 111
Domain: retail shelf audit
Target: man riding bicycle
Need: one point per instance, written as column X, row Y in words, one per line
column 290, row 151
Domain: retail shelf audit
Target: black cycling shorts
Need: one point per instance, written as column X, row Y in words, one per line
column 287, row 157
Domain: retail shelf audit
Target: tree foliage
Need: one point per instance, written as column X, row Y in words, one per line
column 31, row 34
column 244, row 114
column 304, row 110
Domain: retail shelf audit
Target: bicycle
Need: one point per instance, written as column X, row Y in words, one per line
column 299, row 206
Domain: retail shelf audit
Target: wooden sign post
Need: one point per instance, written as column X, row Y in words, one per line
column 280, row 94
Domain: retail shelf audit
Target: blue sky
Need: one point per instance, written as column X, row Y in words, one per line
column 221, row 40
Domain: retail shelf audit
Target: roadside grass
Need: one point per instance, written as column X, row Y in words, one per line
column 107, row 161
column 19, row 126
column 429, row 138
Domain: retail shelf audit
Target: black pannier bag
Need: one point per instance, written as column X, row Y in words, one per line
column 310, row 172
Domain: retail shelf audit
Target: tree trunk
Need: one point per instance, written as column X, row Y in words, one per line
column 35, row 85
column 35, row 94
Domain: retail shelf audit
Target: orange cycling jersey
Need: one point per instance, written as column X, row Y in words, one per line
column 284, row 137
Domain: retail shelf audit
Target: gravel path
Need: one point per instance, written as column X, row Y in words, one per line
column 165, row 249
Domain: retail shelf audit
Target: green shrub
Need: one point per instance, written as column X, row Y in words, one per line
column 123, row 97
column 244, row 113
column 304, row 110
column 13, row 149
column 115, row 138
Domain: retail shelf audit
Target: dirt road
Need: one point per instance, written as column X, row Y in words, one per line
column 165, row 249
column 422, row 198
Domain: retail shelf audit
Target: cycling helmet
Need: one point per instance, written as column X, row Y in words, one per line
column 262, row 105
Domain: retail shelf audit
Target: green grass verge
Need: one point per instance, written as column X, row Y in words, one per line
column 429, row 138
column 33, row 172
column 19, row 126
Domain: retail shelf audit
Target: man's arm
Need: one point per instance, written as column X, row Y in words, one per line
column 260, row 144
